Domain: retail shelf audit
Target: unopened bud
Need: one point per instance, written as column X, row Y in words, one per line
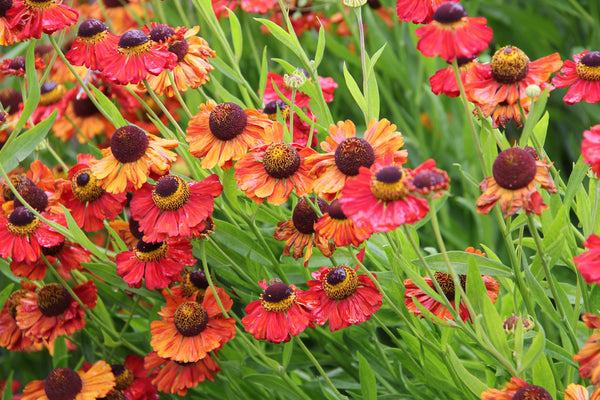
column 533, row 91
column 354, row 3
column 510, row 324
column 295, row 80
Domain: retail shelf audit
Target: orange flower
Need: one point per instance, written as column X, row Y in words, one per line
column 83, row 120
column 93, row 43
column 189, row 330
column 11, row 336
column 132, row 156
column 414, row 294
column 589, row 355
column 517, row 388
column 175, row 377
column 578, row 392
column 192, row 67
column 64, row 383
column 513, row 183
column 46, row 16
column 273, row 169
column 346, row 153
column 335, row 225
column 222, row 133
column 53, row 312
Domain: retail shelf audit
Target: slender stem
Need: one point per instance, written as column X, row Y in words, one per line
column 55, row 155
column 178, row 93
column 234, row 265
column 209, row 278
column 318, row 366
column 363, row 57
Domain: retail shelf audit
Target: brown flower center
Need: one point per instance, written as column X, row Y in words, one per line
column 53, row 250
column 278, row 297
column 114, row 395
column 123, row 375
column 14, row 300
column 19, row 182
column 227, row 120
column 5, row 5
column 180, row 49
column 192, row 282
column 388, row 184
column 146, row 252
column 134, row 228
column 62, row 384
column 11, row 99
column 588, row 67
column 447, row 284
column 170, row 193
column 281, row 160
column 90, row 28
column 271, row 109
column 53, row 299
column 22, row 222
column 51, row 93
column 509, row 65
column 335, row 210
column 514, row 168
column 448, row 13
column 340, row 282
column 84, row 107
column 85, row 187
column 161, row 33
column 353, row 153
column 304, row 217
column 115, row 3
column 532, row 392
column 17, row 63
column 190, row 318
column 34, row 196
column 134, row 42
column 129, row 143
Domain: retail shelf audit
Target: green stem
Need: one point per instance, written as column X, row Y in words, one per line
column 240, row 271
column 318, row 366
column 178, row 94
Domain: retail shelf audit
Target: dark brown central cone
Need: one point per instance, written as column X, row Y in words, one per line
column 53, row 299
column 35, row 196
column 84, row 107
column 449, row 12
column 11, row 99
column 129, row 143
column 304, row 217
column 180, row 49
column 389, row 174
column 190, row 318
column 335, row 210
column 5, row 5
column 123, row 375
column 161, row 33
column 17, row 63
column 62, row 384
column 21, row 216
column 277, row 292
column 281, row 160
column 514, row 168
column 90, row 27
column 428, row 179
column 591, row 59
column 353, row 153
column 509, row 65
column 133, row 38
column 532, row 392
column 227, row 120
column 447, row 284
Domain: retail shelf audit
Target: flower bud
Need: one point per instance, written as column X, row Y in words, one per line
column 533, row 91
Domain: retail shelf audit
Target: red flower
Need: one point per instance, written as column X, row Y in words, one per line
column 258, row 6
column 89, row 204
column 517, row 388
column 589, row 355
column 22, row 235
column 189, row 330
column 273, row 169
column 590, row 148
column 328, row 86
column 174, row 207
column 427, row 179
column 588, row 262
column 133, row 380
column 93, row 44
column 8, row 35
column 46, row 16
column 157, row 263
column 418, row 11
column 452, row 34
column 16, row 66
column 135, row 58
column 53, row 312
column 281, row 312
column 583, row 75
column 335, row 225
column 414, row 294
column 379, row 198
column 175, row 377
column 342, row 296
column 68, row 254
column 444, row 81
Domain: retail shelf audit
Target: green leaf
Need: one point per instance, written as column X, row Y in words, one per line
column 354, row 90
column 541, row 128
column 5, row 293
column 60, row 357
column 8, row 384
column 25, row 143
column 236, row 34
column 474, row 384
column 368, row 385
column 108, row 108
column 225, row 69
column 540, row 296
column 320, row 47
column 288, row 348
column 102, row 313
column 543, row 376
column 80, row 237
column 537, row 109
column 459, row 260
column 279, row 33
column 33, row 84
column 262, row 83
column 534, row 352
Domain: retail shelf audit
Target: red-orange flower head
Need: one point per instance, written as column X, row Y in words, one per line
column 513, row 183
column 174, row 207
column 136, row 57
column 583, row 76
column 590, row 148
column 588, row 262
column 418, row 11
column 444, row 80
column 453, row 34
column 335, row 225
column 426, row 179
column 279, row 314
column 378, row 197
column 39, row 16
column 342, row 296
column 93, row 44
